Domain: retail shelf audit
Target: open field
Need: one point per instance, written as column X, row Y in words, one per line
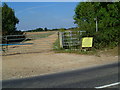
column 42, row 60
column 38, row 35
column 30, row 33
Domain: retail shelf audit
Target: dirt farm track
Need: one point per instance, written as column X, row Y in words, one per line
column 47, row 61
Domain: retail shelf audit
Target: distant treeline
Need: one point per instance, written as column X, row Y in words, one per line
column 46, row 29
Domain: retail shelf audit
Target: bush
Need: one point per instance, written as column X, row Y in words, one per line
column 106, row 38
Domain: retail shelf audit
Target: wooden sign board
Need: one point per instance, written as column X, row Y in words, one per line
column 87, row 41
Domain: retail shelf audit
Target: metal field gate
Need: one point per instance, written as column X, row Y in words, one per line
column 70, row 39
column 34, row 42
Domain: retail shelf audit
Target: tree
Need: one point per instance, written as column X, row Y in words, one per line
column 107, row 14
column 45, row 29
column 84, row 14
column 9, row 20
column 38, row 29
column 108, row 17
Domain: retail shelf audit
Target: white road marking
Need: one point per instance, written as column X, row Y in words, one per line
column 105, row 86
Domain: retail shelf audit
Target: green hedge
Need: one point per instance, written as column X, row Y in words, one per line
column 108, row 37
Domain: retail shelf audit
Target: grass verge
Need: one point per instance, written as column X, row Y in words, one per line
column 57, row 49
column 92, row 51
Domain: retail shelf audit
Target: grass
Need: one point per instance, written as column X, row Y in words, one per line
column 111, row 51
column 76, row 52
column 57, row 49
column 92, row 51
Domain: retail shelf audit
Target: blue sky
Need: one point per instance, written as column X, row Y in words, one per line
column 44, row 14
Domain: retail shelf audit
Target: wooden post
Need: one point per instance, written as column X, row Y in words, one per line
column 61, row 39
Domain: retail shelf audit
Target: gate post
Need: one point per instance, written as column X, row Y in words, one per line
column 61, row 39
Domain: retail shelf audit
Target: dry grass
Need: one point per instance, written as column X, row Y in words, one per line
column 112, row 52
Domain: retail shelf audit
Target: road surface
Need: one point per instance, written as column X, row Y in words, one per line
column 105, row 76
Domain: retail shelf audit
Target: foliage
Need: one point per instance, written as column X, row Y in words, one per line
column 9, row 20
column 56, row 45
column 107, row 15
column 54, row 29
column 45, row 29
column 107, row 38
column 62, row 30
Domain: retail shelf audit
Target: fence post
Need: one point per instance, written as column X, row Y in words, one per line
column 6, row 43
column 61, row 39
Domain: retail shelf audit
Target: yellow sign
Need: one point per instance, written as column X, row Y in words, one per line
column 87, row 41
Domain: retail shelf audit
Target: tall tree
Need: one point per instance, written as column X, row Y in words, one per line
column 9, row 20
column 84, row 16
column 107, row 14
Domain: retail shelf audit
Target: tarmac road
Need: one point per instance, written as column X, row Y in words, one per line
column 105, row 76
